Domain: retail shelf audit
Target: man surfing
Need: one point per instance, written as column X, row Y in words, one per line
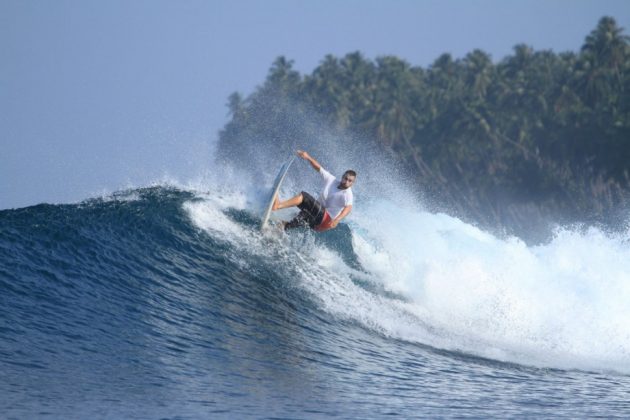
column 334, row 202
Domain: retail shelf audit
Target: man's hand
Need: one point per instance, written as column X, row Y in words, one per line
column 308, row 158
column 334, row 223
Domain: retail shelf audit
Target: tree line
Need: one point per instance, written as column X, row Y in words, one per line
column 537, row 133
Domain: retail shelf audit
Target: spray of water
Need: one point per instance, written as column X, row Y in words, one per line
column 436, row 280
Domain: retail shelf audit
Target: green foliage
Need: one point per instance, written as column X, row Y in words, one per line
column 541, row 128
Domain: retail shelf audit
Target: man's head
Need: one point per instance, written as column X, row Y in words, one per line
column 347, row 180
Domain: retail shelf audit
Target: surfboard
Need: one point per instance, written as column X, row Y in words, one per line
column 274, row 191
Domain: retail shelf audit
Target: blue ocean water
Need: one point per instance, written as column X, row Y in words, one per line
column 167, row 302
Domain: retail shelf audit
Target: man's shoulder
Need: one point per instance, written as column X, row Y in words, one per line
column 325, row 174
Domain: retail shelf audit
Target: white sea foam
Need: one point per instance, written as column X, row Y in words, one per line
column 565, row 304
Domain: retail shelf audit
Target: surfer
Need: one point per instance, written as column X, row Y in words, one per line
column 334, row 203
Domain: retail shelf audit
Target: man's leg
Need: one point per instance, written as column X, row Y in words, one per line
column 311, row 211
column 291, row 202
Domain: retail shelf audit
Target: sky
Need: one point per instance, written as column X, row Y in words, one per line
column 98, row 96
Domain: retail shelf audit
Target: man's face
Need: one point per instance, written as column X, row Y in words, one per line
column 346, row 181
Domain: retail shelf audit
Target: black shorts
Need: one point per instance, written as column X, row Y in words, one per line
column 311, row 213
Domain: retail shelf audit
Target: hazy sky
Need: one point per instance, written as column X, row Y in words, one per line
column 96, row 96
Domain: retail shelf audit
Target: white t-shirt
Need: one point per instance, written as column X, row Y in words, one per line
column 332, row 197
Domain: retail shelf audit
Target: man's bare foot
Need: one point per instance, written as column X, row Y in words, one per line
column 275, row 203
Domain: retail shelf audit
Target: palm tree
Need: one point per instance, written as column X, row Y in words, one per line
column 603, row 54
column 282, row 79
column 479, row 72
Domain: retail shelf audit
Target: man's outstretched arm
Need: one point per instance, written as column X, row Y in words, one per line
column 346, row 211
column 315, row 164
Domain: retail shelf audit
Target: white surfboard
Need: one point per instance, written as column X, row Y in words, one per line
column 274, row 191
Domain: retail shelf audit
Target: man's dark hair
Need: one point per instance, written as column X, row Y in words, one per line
column 350, row 172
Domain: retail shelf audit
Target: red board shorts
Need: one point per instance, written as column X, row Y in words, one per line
column 312, row 214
